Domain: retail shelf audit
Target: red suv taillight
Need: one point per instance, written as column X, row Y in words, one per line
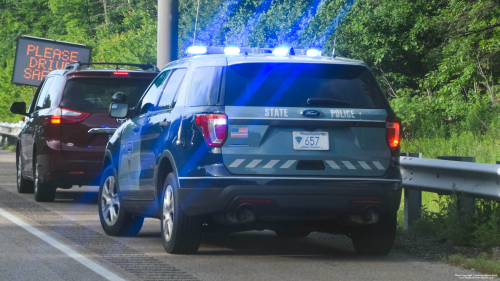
column 66, row 116
column 214, row 127
column 393, row 129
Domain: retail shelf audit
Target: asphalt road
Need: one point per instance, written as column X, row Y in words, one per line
column 63, row 240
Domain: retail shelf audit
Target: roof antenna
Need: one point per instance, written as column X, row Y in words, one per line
column 196, row 23
column 334, row 45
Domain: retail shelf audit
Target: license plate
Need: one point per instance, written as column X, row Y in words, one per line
column 310, row 141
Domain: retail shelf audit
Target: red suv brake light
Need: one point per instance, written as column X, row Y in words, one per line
column 393, row 130
column 214, row 127
column 66, row 116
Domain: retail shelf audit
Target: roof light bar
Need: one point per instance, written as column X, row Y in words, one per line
column 197, row 50
column 232, row 50
column 313, row 53
column 281, row 51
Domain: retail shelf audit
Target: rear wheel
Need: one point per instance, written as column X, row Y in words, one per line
column 114, row 220
column 42, row 192
column 23, row 185
column 291, row 233
column 181, row 234
column 377, row 239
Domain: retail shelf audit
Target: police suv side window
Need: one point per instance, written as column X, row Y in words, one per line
column 205, row 86
column 171, row 88
column 43, row 98
column 151, row 96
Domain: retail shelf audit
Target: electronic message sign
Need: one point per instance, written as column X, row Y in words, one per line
column 36, row 57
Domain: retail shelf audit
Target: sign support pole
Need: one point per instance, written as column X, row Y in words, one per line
column 167, row 32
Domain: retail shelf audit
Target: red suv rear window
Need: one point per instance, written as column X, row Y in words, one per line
column 94, row 94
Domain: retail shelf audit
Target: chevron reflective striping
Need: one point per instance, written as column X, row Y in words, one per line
column 333, row 164
column 236, row 163
column 271, row 164
column 288, row 164
column 349, row 165
column 364, row 165
column 254, row 163
column 378, row 165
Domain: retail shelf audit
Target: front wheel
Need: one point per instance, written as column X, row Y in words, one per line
column 181, row 234
column 114, row 220
column 42, row 192
column 377, row 239
column 23, row 185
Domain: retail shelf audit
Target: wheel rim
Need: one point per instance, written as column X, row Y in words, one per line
column 168, row 213
column 110, row 203
column 36, row 179
column 19, row 171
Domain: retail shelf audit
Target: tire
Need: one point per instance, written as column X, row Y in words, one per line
column 114, row 220
column 290, row 233
column 42, row 192
column 377, row 239
column 23, row 185
column 180, row 233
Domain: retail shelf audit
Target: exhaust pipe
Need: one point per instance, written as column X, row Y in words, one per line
column 242, row 214
column 370, row 216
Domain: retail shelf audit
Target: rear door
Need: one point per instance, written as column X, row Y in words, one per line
column 304, row 119
column 129, row 169
column 86, row 129
column 155, row 131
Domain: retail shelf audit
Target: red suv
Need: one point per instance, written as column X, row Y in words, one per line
column 67, row 126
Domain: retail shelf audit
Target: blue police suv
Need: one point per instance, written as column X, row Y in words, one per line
column 230, row 139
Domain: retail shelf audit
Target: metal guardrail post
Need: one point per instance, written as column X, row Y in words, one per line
column 412, row 199
column 466, row 205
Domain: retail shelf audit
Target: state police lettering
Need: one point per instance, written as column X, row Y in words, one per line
column 342, row 113
column 276, row 112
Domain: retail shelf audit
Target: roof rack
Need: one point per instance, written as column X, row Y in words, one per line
column 78, row 65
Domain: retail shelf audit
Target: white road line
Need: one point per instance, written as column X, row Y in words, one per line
column 288, row 164
column 364, row 165
column 332, row 164
column 63, row 248
column 271, row 164
column 236, row 163
column 378, row 165
column 254, row 163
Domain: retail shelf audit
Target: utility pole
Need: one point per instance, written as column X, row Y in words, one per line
column 168, row 23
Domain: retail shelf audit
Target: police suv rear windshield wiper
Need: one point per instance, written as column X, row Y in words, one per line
column 325, row 102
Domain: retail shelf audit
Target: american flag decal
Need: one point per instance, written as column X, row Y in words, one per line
column 239, row 132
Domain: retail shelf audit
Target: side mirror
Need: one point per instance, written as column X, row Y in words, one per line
column 118, row 110
column 18, row 108
column 119, row 98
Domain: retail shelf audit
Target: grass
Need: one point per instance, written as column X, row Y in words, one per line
column 8, row 147
column 484, row 263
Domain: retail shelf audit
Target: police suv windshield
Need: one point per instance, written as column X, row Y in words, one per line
column 301, row 85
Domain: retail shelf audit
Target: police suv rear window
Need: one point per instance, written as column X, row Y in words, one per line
column 301, row 85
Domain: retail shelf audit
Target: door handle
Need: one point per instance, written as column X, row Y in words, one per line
column 164, row 124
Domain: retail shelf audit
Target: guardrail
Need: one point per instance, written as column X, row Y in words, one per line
column 461, row 175
column 9, row 132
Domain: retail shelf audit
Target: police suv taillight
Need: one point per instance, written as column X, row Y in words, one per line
column 214, row 128
column 393, row 131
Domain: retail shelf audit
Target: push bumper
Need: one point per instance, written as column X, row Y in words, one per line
column 289, row 198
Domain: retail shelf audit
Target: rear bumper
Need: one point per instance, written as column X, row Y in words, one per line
column 289, row 198
column 55, row 170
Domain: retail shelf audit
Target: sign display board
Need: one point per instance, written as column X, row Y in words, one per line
column 36, row 57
